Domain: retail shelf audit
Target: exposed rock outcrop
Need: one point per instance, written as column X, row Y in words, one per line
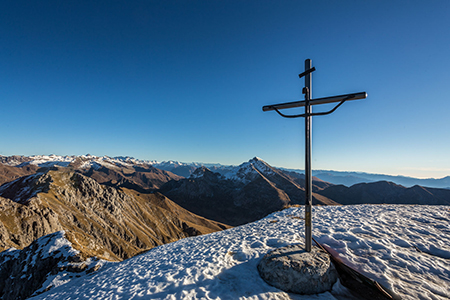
column 22, row 224
column 31, row 270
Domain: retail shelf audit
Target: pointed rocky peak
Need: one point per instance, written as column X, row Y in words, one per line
column 204, row 172
column 260, row 165
column 256, row 159
column 199, row 172
column 250, row 170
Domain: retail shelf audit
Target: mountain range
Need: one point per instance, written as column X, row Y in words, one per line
column 244, row 194
column 351, row 178
column 116, row 208
column 347, row 178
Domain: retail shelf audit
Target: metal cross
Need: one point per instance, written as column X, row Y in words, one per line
column 307, row 115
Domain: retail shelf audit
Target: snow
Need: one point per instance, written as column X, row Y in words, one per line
column 50, row 160
column 89, row 161
column 11, row 253
column 405, row 248
column 56, row 243
column 64, row 277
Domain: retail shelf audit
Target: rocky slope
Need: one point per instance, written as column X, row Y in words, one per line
column 244, row 194
column 99, row 220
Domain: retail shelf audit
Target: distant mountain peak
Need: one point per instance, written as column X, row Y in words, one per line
column 248, row 171
column 256, row 158
column 199, row 172
column 205, row 173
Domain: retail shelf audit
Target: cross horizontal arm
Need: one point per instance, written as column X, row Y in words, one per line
column 307, row 72
column 347, row 97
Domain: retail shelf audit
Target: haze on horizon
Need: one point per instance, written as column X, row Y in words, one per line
column 186, row 81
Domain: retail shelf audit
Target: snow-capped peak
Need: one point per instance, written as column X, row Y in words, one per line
column 247, row 171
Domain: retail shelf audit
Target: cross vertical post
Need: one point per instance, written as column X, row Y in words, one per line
column 307, row 103
column 308, row 177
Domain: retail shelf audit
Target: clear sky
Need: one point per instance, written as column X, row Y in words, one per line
column 186, row 80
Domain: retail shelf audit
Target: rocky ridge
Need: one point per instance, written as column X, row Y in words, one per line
column 99, row 220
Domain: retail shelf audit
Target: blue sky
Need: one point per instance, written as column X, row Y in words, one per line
column 186, row 80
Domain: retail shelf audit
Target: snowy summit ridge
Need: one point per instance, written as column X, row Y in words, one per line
column 404, row 249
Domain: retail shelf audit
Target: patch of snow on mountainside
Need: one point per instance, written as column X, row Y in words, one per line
column 405, row 248
column 23, row 188
column 57, row 245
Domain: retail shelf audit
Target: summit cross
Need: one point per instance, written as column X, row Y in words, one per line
column 307, row 103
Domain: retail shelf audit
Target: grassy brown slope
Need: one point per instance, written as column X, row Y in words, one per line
column 9, row 173
column 99, row 220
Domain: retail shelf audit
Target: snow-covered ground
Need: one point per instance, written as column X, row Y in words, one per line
column 405, row 248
